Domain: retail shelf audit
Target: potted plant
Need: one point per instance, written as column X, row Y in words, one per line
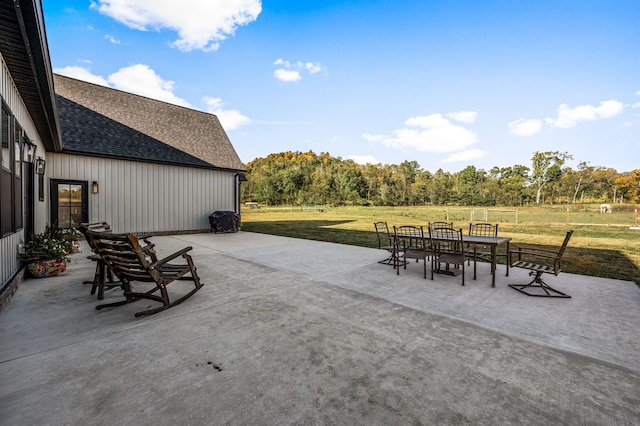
column 46, row 254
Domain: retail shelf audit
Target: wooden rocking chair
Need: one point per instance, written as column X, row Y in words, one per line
column 124, row 255
column 538, row 257
column 102, row 271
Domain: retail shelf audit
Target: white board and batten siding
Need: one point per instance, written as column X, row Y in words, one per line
column 146, row 197
column 9, row 262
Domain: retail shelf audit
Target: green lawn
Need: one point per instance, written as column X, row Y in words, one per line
column 601, row 246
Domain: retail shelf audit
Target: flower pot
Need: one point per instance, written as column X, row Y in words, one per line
column 46, row 268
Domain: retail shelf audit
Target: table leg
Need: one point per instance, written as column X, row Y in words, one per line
column 507, row 261
column 493, row 264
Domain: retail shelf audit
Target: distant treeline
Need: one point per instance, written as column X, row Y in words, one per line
column 296, row 178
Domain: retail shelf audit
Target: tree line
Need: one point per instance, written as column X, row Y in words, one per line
column 296, row 178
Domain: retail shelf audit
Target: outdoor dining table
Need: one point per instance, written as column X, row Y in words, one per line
column 491, row 242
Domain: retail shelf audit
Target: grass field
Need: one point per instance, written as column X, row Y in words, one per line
column 602, row 245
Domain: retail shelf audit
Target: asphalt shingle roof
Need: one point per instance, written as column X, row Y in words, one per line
column 97, row 120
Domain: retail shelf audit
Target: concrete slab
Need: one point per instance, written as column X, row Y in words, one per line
column 291, row 331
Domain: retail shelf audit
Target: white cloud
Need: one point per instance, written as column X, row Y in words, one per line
column 523, row 127
column 112, row 39
column 313, row 68
column 638, row 93
column 428, row 121
column 142, row 80
column 138, row 79
column 200, row 24
column 569, row 117
column 291, row 71
column 363, row 159
column 636, row 105
column 470, row 154
column 434, row 134
column 373, row 138
column 230, row 119
column 287, row 75
column 464, row 116
column 83, row 74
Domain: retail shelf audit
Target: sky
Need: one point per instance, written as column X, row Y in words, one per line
column 445, row 83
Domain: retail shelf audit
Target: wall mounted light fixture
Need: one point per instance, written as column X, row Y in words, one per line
column 29, row 153
column 94, row 187
column 40, row 166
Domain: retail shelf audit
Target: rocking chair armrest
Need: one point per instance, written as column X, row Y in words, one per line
column 145, row 238
column 170, row 257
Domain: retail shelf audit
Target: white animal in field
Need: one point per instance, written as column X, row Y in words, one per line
column 605, row 208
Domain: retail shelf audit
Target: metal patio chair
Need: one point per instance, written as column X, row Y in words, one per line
column 385, row 241
column 447, row 247
column 477, row 252
column 410, row 243
column 539, row 261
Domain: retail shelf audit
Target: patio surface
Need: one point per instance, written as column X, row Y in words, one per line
column 289, row 331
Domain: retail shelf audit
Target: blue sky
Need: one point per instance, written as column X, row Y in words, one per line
column 446, row 83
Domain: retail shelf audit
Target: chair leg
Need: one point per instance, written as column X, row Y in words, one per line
column 101, row 282
column 387, row 261
column 96, row 278
column 537, row 282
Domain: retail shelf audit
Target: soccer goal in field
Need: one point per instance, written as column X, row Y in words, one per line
column 482, row 214
column 312, row 208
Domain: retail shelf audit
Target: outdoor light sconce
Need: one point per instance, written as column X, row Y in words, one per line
column 40, row 166
column 29, row 152
column 94, row 187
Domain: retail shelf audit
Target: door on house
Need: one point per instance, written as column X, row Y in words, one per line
column 69, row 202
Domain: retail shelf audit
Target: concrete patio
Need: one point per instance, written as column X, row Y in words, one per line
column 289, row 331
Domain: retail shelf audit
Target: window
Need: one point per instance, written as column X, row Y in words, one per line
column 11, row 174
column 69, row 202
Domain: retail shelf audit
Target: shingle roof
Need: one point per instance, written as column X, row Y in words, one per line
column 24, row 50
column 98, row 120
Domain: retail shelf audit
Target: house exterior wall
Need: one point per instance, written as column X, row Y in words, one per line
column 9, row 263
column 146, row 197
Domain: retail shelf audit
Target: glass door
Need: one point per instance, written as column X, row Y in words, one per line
column 69, row 202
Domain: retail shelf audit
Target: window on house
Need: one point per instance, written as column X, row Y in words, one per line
column 69, row 202
column 11, row 174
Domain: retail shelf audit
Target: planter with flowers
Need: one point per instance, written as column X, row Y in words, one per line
column 46, row 254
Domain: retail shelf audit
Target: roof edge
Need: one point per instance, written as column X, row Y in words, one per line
column 31, row 20
column 167, row 163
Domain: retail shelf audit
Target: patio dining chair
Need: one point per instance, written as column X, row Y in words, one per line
column 433, row 225
column 539, row 261
column 385, row 241
column 447, row 247
column 478, row 252
column 410, row 243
